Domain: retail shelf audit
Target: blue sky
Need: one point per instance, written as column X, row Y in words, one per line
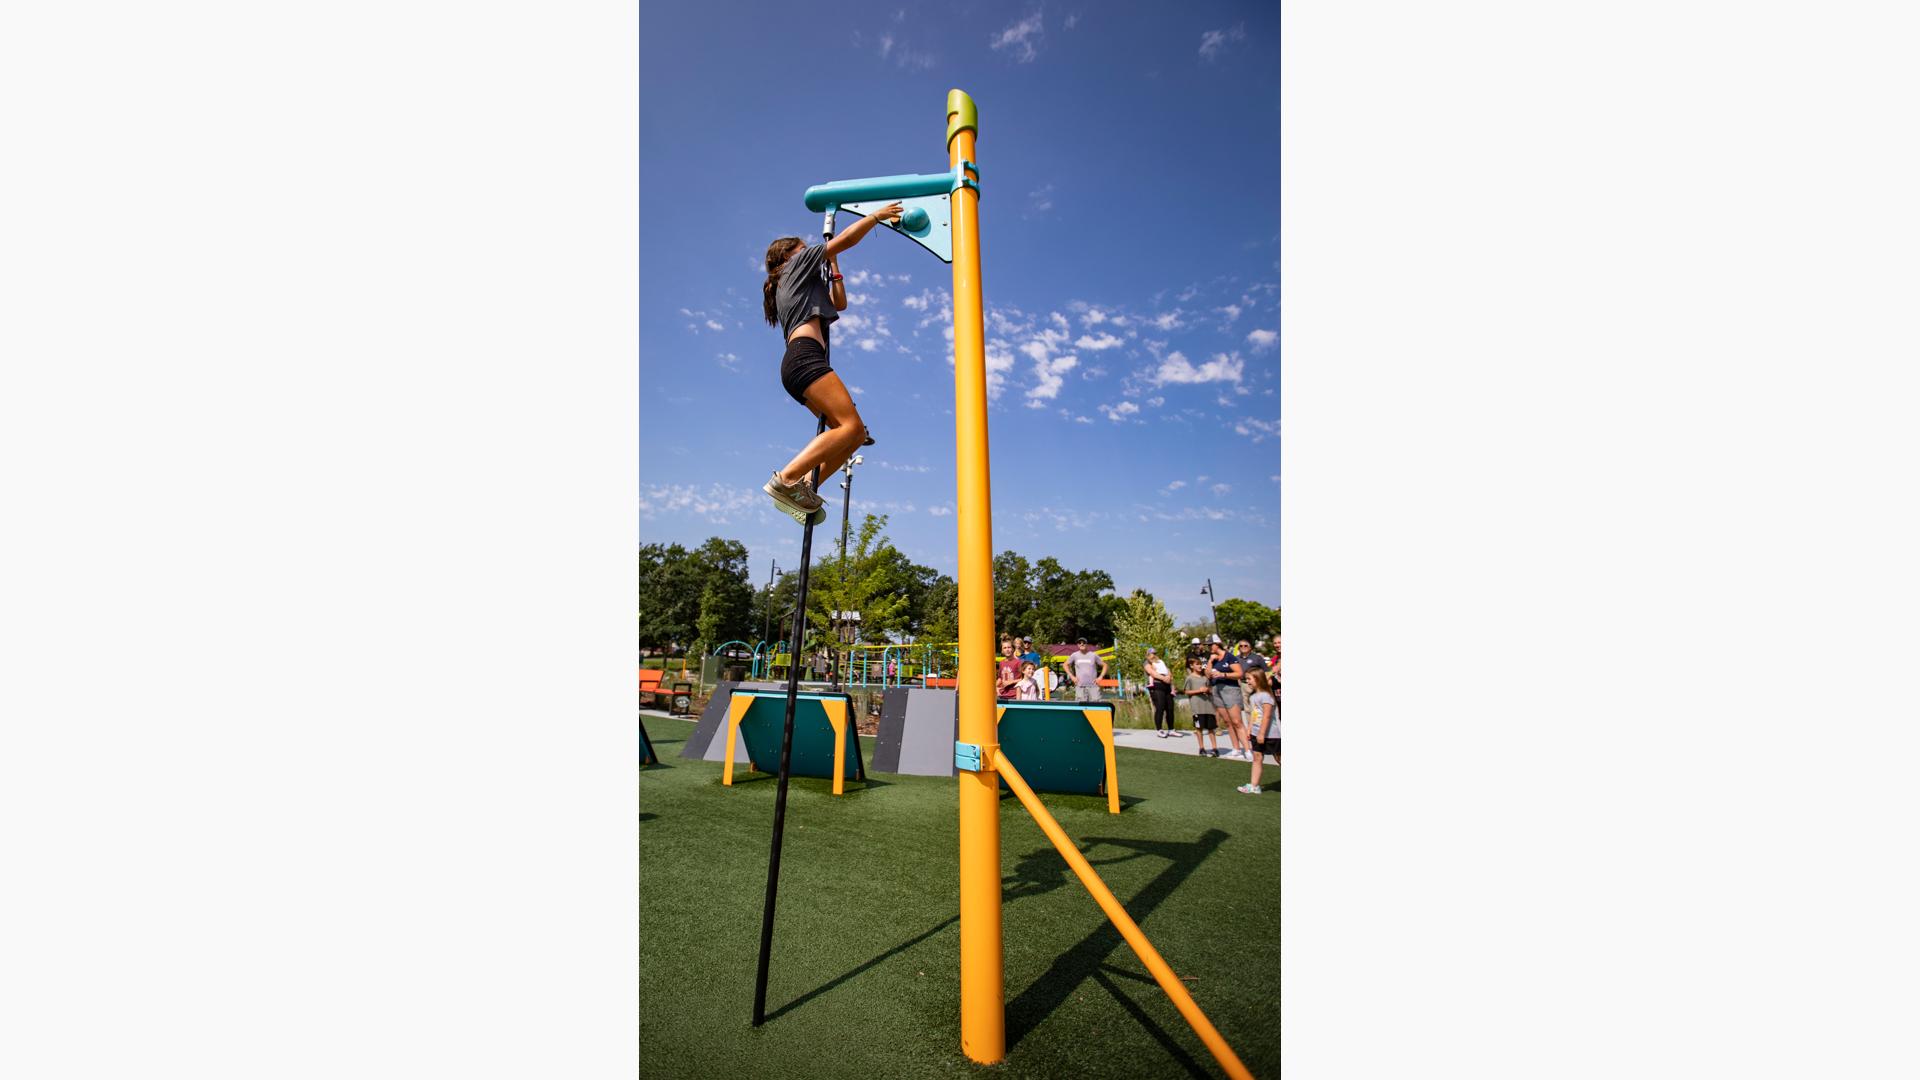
column 1130, row 222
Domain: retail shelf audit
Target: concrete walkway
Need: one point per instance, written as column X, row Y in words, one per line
column 1181, row 742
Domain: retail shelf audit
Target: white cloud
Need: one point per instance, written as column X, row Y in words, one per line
column 1177, row 369
column 940, row 511
column 901, row 56
column 1176, row 485
column 1221, row 489
column 1040, row 200
column 1257, row 429
column 1082, row 420
column 1231, row 311
column 1169, row 321
column 919, row 303
column 1021, row 40
column 729, row 361
column 1095, row 344
column 712, row 325
column 1091, row 316
column 1119, row 413
column 1072, row 21
column 1213, row 41
column 1262, row 339
column 1047, row 377
column 719, row 504
column 867, row 345
column 1156, row 402
column 856, row 389
column 861, row 277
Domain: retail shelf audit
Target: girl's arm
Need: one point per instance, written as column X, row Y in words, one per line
column 851, row 234
column 838, row 293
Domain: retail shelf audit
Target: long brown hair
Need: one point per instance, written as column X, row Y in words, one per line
column 777, row 254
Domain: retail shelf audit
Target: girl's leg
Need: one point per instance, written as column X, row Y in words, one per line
column 1257, row 760
column 831, row 448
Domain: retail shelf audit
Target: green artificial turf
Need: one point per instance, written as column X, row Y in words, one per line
column 864, row 978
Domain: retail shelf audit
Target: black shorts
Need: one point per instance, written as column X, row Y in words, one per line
column 1204, row 721
column 805, row 362
column 1266, row 746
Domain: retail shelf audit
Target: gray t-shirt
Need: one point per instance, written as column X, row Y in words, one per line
column 1086, row 667
column 805, row 292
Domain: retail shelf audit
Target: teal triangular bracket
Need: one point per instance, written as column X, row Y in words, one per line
column 936, row 235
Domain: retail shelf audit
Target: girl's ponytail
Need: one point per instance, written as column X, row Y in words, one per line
column 777, row 255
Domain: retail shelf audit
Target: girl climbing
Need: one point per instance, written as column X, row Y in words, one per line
column 803, row 294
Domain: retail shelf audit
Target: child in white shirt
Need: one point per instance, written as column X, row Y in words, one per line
column 1263, row 727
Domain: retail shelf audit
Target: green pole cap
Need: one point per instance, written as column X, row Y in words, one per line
column 961, row 114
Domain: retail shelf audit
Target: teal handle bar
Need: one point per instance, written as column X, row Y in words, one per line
column 906, row 186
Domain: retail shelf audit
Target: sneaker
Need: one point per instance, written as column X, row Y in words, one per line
column 1162, row 734
column 1248, row 789
column 800, row 496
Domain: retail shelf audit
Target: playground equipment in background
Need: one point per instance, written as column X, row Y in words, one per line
column 1068, row 746
column 822, row 742
column 941, row 214
column 647, row 756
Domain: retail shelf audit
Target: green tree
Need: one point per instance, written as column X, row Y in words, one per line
column 1143, row 621
column 708, row 625
column 873, row 584
column 673, row 587
column 1012, row 595
column 940, row 611
column 1070, row 604
column 1245, row 619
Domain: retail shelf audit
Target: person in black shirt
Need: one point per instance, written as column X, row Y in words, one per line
column 1224, row 671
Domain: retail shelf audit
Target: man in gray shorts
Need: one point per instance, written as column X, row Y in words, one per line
column 1087, row 668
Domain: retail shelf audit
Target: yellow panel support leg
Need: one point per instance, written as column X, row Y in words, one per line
column 1162, row 974
column 737, row 707
column 1102, row 721
column 837, row 716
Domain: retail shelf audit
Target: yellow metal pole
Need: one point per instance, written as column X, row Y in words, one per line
column 983, row 995
column 1162, row 974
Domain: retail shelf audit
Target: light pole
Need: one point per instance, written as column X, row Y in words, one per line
column 846, row 506
column 766, row 626
column 1211, row 608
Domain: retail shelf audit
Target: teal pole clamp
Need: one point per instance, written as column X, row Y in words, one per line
column 966, row 756
column 961, row 179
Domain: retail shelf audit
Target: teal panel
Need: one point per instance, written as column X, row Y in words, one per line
column 931, row 217
column 812, row 734
column 1054, row 747
column 647, row 756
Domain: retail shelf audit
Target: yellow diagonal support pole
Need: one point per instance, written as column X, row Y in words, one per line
column 1162, row 974
column 983, row 994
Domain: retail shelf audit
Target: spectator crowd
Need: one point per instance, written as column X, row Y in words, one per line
column 1232, row 692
